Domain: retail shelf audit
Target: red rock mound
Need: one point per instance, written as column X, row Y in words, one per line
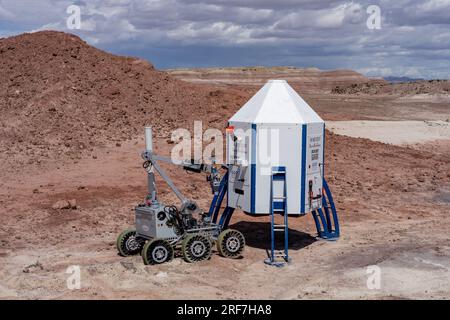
column 58, row 95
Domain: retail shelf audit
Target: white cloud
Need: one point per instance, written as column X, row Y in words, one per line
column 435, row 5
column 336, row 17
column 323, row 33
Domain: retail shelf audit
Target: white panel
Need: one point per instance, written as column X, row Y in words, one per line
column 314, row 165
column 288, row 144
column 239, row 162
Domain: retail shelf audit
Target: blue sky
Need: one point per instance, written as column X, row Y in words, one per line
column 413, row 39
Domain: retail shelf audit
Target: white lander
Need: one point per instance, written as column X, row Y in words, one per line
column 276, row 128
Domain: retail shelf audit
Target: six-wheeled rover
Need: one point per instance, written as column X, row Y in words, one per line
column 162, row 230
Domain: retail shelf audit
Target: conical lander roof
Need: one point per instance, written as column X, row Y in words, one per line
column 276, row 102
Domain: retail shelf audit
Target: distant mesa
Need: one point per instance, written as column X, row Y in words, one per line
column 305, row 79
column 394, row 79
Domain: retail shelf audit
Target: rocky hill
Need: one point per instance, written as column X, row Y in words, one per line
column 59, row 95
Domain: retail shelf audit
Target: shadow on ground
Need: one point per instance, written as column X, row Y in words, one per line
column 257, row 235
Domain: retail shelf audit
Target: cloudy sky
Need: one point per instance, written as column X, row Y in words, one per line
column 412, row 39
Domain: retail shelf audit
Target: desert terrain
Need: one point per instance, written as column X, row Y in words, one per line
column 71, row 131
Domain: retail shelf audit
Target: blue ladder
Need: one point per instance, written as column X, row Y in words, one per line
column 278, row 204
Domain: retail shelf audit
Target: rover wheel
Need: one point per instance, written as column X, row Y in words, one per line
column 157, row 251
column 230, row 243
column 196, row 247
column 128, row 244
